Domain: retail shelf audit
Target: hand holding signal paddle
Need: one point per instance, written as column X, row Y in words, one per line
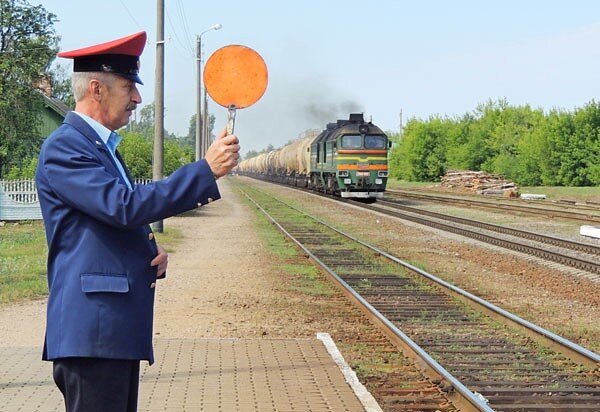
column 235, row 77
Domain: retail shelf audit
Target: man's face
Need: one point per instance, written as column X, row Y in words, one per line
column 120, row 98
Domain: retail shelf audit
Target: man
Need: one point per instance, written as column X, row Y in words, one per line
column 103, row 260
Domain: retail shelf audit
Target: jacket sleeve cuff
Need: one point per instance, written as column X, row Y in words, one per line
column 212, row 190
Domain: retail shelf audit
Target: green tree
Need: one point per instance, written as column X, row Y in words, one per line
column 176, row 155
column 394, row 137
column 190, row 139
column 211, row 126
column 511, row 126
column 570, row 147
column 145, row 124
column 573, row 147
column 531, row 154
column 61, row 85
column 251, row 154
column 25, row 171
column 28, row 44
column 421, row 152
column 137, row 153
column 526, row 145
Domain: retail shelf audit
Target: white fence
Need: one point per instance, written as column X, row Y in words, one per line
column 19, row 199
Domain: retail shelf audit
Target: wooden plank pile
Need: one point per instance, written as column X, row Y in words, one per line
column 480, row 182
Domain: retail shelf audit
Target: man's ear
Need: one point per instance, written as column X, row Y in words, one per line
column 95, row 89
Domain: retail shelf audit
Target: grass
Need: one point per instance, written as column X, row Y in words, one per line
column 579, row 194
column 306, row 280
column 23, row 254
column 373, row 362
column 305, row 277
column 403, row 184
column 170, row 238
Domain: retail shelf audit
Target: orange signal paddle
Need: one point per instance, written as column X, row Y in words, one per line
column 235, row 77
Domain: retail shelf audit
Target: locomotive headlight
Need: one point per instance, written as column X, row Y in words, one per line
column 382, row 173
column 378, row 181
column 343, row 173
column 347, row 181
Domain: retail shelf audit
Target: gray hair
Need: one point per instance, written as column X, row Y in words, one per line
column 81, row 80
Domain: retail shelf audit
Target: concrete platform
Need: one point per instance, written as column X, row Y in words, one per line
column 209, row 375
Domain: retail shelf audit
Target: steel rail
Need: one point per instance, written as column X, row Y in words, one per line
column 466, row 399
column 576, row 262
column 579, row 207
column 570, row 349
column 567, row 244
column 553, row 212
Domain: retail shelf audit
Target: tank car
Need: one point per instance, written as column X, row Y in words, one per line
column 347, row 159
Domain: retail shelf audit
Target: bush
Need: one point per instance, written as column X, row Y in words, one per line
column 421, row 152
column 525, row 145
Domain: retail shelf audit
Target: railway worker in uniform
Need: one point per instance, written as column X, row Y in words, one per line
column 103, row 260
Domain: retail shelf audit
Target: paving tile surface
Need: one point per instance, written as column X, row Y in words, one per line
column 202, row 375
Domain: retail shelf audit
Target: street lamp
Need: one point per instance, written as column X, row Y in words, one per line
column 201, row 146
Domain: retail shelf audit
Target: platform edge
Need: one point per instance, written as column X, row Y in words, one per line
column 363, row 395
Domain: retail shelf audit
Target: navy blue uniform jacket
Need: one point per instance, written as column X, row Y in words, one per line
column 100, row 244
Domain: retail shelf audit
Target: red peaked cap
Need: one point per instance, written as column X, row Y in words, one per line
column 120, row 56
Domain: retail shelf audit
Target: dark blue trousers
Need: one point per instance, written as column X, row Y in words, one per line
column 98, row 385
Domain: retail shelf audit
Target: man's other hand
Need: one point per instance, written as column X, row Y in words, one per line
column 162, row 259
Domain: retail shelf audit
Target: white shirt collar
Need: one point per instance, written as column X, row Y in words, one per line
column 99, row 128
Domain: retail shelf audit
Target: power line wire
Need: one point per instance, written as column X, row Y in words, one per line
column 189, row 49
column 184, row 24
column 131, row 15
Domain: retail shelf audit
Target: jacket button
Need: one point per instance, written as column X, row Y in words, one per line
column 152, row 285
column 150, row 236
column 210, row 199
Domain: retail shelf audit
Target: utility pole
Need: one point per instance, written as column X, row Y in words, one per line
column 202, row 132
column 400, row 131
column 205, row 124
column 159, row 101
column 200, row 150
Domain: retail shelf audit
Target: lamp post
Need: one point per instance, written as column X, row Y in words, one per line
column 200, row 120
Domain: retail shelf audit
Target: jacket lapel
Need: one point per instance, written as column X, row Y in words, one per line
column 125, row 168
column 90, row 134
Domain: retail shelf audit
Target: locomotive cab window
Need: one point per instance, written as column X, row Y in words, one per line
column 351, row 141
column 375, row 142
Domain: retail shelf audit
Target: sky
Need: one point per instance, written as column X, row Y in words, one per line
column 327, row 59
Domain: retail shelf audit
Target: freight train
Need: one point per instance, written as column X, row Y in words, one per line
column 347, row 159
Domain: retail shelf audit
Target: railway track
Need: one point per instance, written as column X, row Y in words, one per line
column 581, row 257
column 578, row 255
column 538, row 237
column 578, row 212
column 482, row 357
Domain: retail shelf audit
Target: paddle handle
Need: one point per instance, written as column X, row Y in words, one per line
column 230, row 120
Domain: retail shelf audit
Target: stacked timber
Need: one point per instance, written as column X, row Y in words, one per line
column 480, row 182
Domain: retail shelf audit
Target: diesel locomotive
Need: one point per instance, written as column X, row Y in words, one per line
column 347, row 159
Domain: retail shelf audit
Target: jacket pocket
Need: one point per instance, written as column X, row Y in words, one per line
column 104, row 282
